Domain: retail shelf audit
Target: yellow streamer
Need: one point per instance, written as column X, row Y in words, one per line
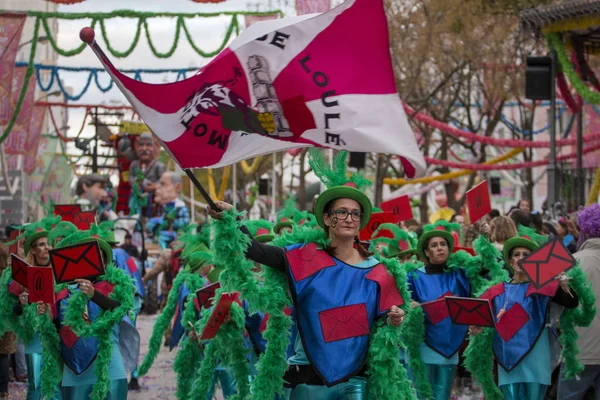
column 451, row 175
column 595, row 190
column 572, row 24
column 224, row 181
column 250, row 169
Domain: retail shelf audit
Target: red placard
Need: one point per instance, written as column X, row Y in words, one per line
column 467, row 311
column 376, row 219
column 41, row 285
column 81, row 261
column 218, row 315
column 67, row 212
column 84, row 220
column 546, row 263
column 469, row 250
column 206, row 295
column 15, row 247
column 478, row 201
column 400, row 207
column 19, row 270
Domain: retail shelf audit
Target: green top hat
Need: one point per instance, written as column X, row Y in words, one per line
column 287, row 216
column 441, row 229
column 339, row 185
column 399, row 242
column 513, row 243
column 306, row 218
column 60, row 231
column 213, row 276
column 261, row 230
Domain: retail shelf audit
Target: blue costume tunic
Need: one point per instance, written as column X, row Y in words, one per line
column 335, row 307
column 442, row 338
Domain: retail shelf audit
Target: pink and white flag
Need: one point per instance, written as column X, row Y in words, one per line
column 312, row 6
column 282, row 84
column 16, row 142
column 11, row 27
column 33, row 138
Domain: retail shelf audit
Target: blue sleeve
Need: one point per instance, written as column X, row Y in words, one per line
column 183, row 218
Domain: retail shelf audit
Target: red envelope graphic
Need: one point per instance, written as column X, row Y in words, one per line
column 437, row 310
column 206, row 295
column 344, row 322
column 546, row 263
column 400, row 207
column 81, row 261
column 376, row 219
column 467, row 311
column 14, row 248
column 307, row 260
column 41, row 285
column 510, row 323
column 67, row 212
column 218, row 315
column 389, row 294
column 19, row 270
column 68, row 337
column 478, row 202
column 84, row 220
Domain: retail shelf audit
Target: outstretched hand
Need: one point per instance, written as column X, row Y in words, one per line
column 218, row 214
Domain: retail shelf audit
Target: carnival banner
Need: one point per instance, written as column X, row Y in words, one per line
column 31, row 145
column 11, row 27
column 51, row 176
column 286, row 83
column 16, row 141
column 312, row 6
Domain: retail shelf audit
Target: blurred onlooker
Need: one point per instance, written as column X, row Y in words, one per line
column 492, row 214
column 524, row 205
column 459, row 219
column 129, row 247
column 549, row 230
column 503, row 228
column 537, row 222
column 568, row 233
column 521, row 217
column 589, row 338
column 8, row 342
column 411, row 225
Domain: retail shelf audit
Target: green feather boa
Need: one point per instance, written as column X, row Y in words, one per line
column 102, row 326
column 480, row 362
column 272, row 297
column 22, row 325
column 51, row 373
column 162, row 323
column 189, row 355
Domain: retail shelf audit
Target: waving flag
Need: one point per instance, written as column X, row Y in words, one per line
column 312, row 80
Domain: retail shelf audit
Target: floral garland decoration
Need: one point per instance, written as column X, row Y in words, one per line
column 101, row 327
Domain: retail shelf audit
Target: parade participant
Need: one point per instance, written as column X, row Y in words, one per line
column 433, row 355
column 286, row 216
column 329, row 276
column 88, row 318
column 8, row 341
column 147, row 162
column 523, row 351
column 175, row 213
column 394, row 242
column 503, row 228
column 567, row 232
column 16, row 302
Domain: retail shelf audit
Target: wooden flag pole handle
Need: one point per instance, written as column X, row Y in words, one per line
column 201, row 189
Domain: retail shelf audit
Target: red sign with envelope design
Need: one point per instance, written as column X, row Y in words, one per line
column 218, row 314
column 344, row 322
column 81, row 261
column 478, row 202
column 400, row 207
column 206, row 295
column 376, row 219
column 545, row 264
column 436, row 310
column 19, row 270
column 67, row 212
column 468, row 311
column 41, row 285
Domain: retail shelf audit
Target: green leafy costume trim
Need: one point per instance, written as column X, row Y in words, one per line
column 51, row 373
column 101, row 328
column 24, row 325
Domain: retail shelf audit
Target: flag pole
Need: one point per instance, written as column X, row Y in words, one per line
column 201, row 189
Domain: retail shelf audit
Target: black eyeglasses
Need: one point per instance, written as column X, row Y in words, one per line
column 342, row 214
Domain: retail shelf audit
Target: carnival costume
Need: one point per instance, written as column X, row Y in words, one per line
column 329, row 363
column 21, row 319
column 520, row 342
column 432, row 340
column 84, row 339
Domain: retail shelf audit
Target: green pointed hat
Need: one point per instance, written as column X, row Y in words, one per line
column 286, row 216
column 261, row 230
column 443, row 229
column 36, row 230
column 399, row 242
column 339, row 185
column 517, row 241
